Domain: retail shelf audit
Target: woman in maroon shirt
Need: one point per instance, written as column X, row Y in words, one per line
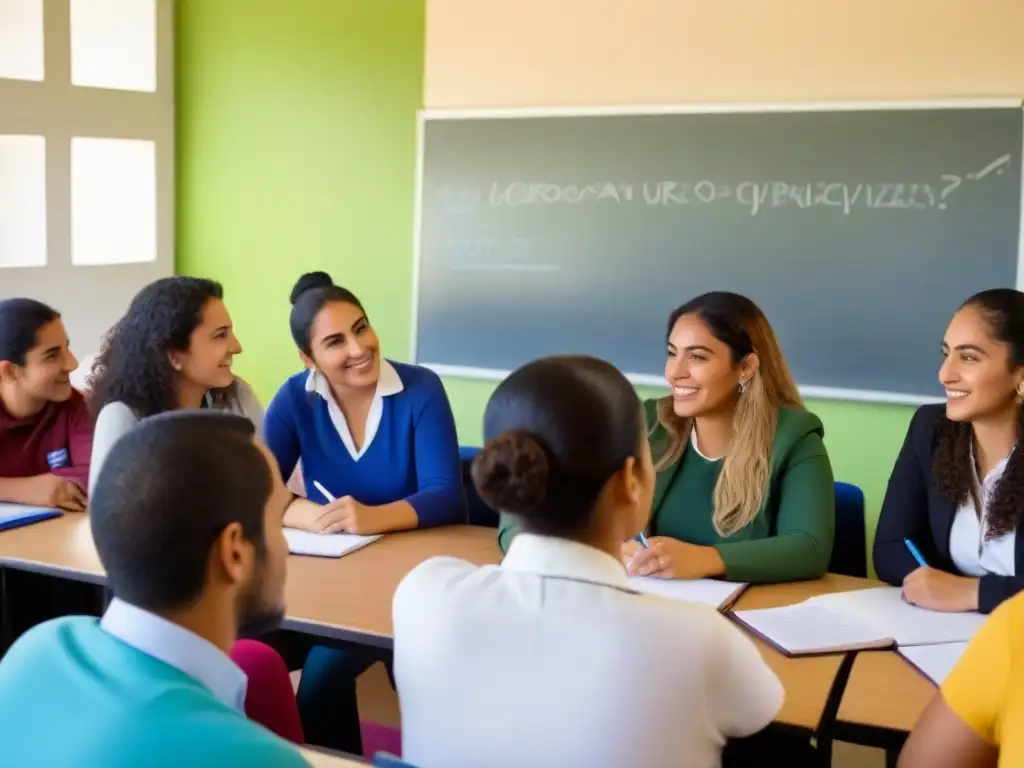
column 45, row 427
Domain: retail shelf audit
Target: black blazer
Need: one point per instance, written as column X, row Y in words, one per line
column 914, row 510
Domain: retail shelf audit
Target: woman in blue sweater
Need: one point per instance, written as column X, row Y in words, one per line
column 380, row 438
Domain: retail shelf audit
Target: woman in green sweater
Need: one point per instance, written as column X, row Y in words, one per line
column 744, row 487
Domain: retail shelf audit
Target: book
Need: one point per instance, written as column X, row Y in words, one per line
column 325, row 544
column 866, row 619
column 720, row 595
column 16, row 515
column 934, row 661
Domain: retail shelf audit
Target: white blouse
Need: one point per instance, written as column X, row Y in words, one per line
column 972, row 553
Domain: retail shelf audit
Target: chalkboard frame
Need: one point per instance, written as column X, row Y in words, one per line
column 647, row 380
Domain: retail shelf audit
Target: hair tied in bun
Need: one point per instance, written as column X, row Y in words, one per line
column 511, row 473
column 308, row 282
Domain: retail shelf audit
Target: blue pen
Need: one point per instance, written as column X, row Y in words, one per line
column 643, row 540
column 916, row 553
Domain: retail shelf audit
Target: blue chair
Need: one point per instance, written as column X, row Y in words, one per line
column 849, row 555
column 479, row 512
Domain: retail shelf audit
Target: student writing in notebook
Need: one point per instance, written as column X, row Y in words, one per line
column 377, row 436
column 194, row 554
column 744, row 487
column 976, row 720
column 45, row 427
column 957, row 489
column 551, row 659
column 172, row 350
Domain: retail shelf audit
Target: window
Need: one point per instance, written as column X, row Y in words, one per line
column 86, row 155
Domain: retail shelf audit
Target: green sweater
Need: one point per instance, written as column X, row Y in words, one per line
column 790, row 539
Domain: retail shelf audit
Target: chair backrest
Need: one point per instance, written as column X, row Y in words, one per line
column 849, row 555
column 479, row 512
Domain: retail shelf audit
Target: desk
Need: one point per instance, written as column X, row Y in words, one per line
column 807, row 681
column 318, row 759
column 885, row 691
column 60, row 547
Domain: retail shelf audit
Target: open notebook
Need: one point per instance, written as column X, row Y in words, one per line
column 325, row 544
column 15, row 515
column 934, row 661
column 864, row 619
column 718, row 594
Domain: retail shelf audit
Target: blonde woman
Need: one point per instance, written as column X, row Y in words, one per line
column 744, row 485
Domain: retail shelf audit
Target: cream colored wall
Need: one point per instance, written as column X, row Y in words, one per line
column 512, row 53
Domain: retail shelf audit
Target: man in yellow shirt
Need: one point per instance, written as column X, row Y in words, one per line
column 977, row 719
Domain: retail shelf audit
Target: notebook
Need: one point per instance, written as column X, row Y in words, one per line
column 934, row 661
column 875, row 618
column 718, row 594
column 325, row 544
column 15, row 515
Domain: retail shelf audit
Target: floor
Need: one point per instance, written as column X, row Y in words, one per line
column 378, row 704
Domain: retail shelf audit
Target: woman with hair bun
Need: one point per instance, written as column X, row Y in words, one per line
column 957, row 489
column 589, row 671
column 374, row 443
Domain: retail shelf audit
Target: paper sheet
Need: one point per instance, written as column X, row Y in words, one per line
column 807, row 628
column 706, row 591
column 935, row 661
column 325, row 545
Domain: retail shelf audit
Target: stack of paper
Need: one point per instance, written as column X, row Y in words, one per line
column 15, row 515
column 868, row 618
column 325, row 544
column 718, row 594
column 934, row 661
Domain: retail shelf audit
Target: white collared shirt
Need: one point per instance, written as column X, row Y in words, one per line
column 571, row 666
column 971, row 552
column 388, row 383
column 177, row 647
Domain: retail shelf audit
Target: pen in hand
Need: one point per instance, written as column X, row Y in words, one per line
column 326, row 494
column 916, row 553
column 643, row 540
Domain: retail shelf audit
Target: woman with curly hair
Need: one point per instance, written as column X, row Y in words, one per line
column 957, row 489
column 172, row 350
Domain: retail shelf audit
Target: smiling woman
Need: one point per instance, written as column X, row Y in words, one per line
column 957, row 489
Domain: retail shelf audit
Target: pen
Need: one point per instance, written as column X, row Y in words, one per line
column 916, row 553
column 327, row 494
column 643, row 540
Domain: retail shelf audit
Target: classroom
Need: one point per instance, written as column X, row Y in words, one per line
column 477, row 172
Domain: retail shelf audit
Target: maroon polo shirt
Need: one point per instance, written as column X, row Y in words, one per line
column 57, row 440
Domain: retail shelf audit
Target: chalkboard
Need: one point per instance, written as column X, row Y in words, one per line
column 857, row 231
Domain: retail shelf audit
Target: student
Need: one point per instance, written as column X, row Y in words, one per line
column 976, row 720
column 45, row 428
column 956, row 489
column 745, row 489
column 172, row 350
column 575, row 667
column 194, row 554
column 380, row 438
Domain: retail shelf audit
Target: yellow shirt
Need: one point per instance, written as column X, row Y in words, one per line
column 986, row 688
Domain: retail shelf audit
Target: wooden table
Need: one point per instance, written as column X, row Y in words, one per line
column 59, row 547
column 885, row 692
column 318, row 759
column 808, row 681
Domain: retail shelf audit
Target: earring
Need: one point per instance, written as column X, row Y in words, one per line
column 743, row 387
column 1019, row 398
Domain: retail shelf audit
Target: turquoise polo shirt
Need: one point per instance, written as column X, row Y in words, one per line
column 73, row 693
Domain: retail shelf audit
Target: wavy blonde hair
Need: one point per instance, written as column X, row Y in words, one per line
column 739, row 324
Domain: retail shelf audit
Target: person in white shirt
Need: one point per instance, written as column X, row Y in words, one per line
column 551, row 658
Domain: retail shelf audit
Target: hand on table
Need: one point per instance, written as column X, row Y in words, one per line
column 669, row 558
column 345, row 515
column 53, row 491
column 940, row 591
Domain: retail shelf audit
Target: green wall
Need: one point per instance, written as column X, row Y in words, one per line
column 296, row 151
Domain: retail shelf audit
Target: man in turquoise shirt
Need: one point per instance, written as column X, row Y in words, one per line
column 186, row 516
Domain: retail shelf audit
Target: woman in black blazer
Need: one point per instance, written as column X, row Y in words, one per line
column 957, row 490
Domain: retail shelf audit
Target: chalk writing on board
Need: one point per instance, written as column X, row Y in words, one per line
column 514, row 254
column 755, row 196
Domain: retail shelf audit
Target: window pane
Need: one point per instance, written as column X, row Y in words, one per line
column 22, row 201
column 21, row 39
column 113, row 44
column 113, row 201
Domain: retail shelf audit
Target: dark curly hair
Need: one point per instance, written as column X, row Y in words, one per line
column 133, row 366
column 952, row 465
